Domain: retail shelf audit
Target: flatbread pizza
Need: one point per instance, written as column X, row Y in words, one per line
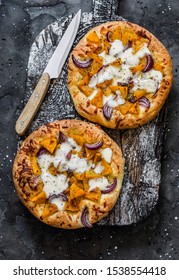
column 69, row 173
column 119, row 75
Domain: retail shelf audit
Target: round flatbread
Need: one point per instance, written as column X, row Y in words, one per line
column 119, row 75
column 69, row 173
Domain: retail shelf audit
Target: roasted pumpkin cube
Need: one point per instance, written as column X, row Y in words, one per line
column 98, row 99
column 79, row 139
column 93, row 195
column 93, row 37
column 123, row 91
column 72, row 180
column 158, row 67
column 95, row 67
column 90, row 174
column 49, row 209
column 139, row 93
column 140, row 66
column 134, row 109
column 90, row 153
column 86, row 90
column 52, row 169
column 79, row 176
column 75, row 191
column 125, row 107
column 85, row 80
column 107, row 168
column 85, row 184
column 104, row 84
column 97, row 157
column 107, row 91
column 69, row 206
column 115, row 34
column 49, row 144
column 35, row 166
column 95, row 57
column 39, row 198
column 116, row 63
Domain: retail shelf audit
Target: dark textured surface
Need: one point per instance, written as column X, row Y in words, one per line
column 154, row 238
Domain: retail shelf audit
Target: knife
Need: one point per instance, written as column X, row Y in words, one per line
column 51, row 71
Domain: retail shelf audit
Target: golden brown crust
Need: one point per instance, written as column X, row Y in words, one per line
column 118, row 120
column 29, row 186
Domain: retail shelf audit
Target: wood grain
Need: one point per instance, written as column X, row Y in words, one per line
column 33, row 104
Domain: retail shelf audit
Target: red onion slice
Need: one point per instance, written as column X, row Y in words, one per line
column 149, row 63
column 61, row 138
column 41, row 152
column 109, row 33
column 62, row 195
column 94, row 146
column 81, row 63
column 127, row 46
column 84, row 218
column 111, row 187
column 68, row 156
column 107, row 111
column 143, row 101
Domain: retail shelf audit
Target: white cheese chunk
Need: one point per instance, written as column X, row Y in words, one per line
column 107, row 154
column 116, row 48
column 54, row 184
column 150, row 81
column 99, row 168
column 101, row 183
column 107, row 59
column 131, row 59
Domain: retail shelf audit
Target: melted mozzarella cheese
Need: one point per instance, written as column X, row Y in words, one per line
column 107, row 154
column 101, row 183
column 99, row 168
column 107, row 58
column 116, row 48
column 149, row 81
column 54, row 184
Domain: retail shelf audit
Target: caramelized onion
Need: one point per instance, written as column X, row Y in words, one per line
column 94, row 146
column 62, row 195
column 81, row 63
column 143, row 101
column 107, row 111
column 127, row 46
column 111, row 187
column 149, row 63
column 84, row 218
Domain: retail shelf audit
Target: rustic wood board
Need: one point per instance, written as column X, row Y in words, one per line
column 141, row 147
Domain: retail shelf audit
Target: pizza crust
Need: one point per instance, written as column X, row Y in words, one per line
column 22, row 172
column 118, row 120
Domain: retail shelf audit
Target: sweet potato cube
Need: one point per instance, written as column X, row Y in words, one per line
column 35, row 166
column 95, row 67
column 116, row 63
column 124, row 91
column 85, row 184
column 93, row 37
column 107, row 91
column 139, row 93
column 75, row 191
column 85, row 80
column 39, row 198
column 79, row 139
column 86, row 90
column 79, row 176
column 90, row 153
column 97, row 157
column 95, row 57
column 116, row 34
column 52, row 169
column 104, row 84
column 90, row 174
column 49, row 209
column 134, row 109
column 93, row 195
column 98, row 99
column 125, row 107
column 69, row 206
column 49, row 144
column 107, row 168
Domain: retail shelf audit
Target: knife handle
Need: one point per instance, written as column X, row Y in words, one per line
column 33, row 104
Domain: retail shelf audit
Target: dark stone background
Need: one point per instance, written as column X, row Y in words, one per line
column 21, row 235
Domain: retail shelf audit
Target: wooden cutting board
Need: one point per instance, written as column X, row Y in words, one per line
column 141, row 147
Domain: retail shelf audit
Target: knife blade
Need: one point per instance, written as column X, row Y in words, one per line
column 52, row 71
